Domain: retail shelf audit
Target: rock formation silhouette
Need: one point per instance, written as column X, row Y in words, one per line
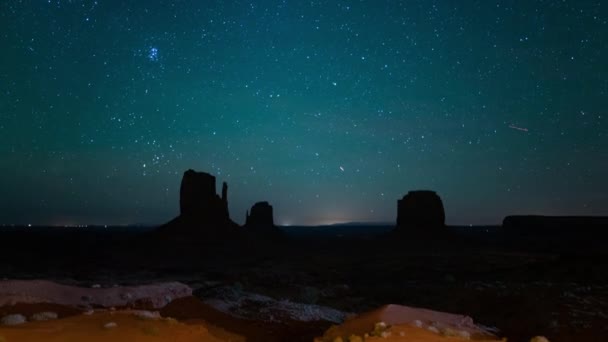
column 260, row 215
column 202, row 211
column 198, row 198
column 225, row 196
column 419, row 211
column 260, row 221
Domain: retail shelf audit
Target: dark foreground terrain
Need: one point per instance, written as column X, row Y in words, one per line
column 523, row 286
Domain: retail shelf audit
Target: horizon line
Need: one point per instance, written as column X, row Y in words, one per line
column 146, row 225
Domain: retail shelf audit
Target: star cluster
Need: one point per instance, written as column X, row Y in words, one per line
column 330, row 110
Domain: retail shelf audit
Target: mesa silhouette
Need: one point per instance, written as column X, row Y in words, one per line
column 420, row 215
column 203, row 213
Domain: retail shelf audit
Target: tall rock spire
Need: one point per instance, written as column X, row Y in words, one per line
column 225, row 195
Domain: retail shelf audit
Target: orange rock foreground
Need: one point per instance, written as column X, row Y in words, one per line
column 31, row 311
column 129, row 325
column 133, row 325
column 116, row 326
column 402, row 323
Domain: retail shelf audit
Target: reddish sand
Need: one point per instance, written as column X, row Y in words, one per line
column 127, row 327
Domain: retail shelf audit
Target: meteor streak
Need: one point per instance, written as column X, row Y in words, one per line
column 523, row 129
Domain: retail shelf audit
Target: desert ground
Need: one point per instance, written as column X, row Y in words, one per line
column 296, row 287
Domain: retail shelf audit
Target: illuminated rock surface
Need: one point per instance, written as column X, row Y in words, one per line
column 46, row 311
column 115, row 326
column 402, row 323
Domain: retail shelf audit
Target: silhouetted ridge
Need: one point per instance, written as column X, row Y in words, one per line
column 554, row 224
column 420, row 210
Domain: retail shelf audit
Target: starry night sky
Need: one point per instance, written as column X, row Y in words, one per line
column 330, row 110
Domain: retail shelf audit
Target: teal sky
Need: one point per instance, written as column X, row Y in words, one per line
column 329, row 110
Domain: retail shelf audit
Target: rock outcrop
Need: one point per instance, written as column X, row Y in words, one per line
column 260, row 215
column 202, row 210
column 403, row 323
column 152, row 296
column 419, row 211
column 198, row 198
column 259, row 221
column 118, row 326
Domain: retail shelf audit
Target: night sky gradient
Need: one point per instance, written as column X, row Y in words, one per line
column 330, row 110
